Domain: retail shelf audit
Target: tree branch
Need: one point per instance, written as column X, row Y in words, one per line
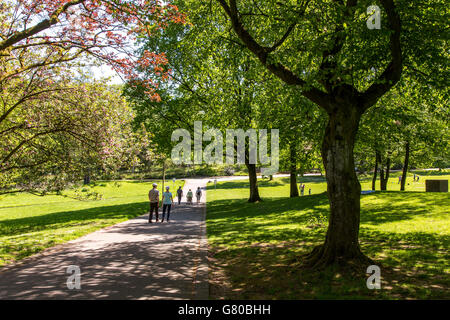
column 393, row 71
column 315, row 95
column 43, row 25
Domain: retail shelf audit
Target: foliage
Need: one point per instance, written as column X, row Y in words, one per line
column 57, row 137
column 414, row 113
column 59, row 31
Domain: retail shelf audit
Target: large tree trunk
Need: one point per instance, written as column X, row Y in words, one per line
column 87, row 177
column 341, row 243
column 405, row 167
column 293, row 169
column 375, row 171
column 254, row 193
column 384, row 178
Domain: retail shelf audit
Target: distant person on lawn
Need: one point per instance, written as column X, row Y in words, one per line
column 179, row 194
column 167, row 204
column 198, row 193
column 153, row 196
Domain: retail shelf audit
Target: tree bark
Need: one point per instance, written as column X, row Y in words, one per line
column 254, row 193
column 375, row 171
column 405, row 167
column 385, row 177
column 164, row 174
column 341, row 243
column 293, row 169
column 87, row 177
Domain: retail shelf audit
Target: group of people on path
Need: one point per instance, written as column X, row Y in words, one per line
column 189, row 195
column 167, row 201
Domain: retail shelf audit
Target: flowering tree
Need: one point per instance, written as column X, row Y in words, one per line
column 64, row 30
column 46, row 119
column 60, row 135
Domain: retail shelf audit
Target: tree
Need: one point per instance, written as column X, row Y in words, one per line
column 62, row 135
column 300, row 133
column 212, row 81
column 65, row 30
column 41, row 41
column 345, row 69
column 407, row 124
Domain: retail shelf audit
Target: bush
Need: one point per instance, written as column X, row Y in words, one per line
column 229, row 171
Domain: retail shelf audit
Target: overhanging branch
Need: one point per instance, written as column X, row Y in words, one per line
column 315, row 95
column 393, row 71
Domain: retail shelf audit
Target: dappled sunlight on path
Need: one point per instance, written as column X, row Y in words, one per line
column 130, row 260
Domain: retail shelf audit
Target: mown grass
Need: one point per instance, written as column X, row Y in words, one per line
column 255, row 249
column 30, row 223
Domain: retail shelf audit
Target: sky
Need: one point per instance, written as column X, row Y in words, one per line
column 105, row 71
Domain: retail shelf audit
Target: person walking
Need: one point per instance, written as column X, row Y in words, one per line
column 189, row 196
column 153, row 196
column 399, row 179
column 198, row 194
column 302, row 189
column 167, row 204
column 179, row 194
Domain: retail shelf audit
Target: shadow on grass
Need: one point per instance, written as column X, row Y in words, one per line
column 391, row 206
column 67, row 218
column 239, row 221
column 257, row 247
column 267, row 271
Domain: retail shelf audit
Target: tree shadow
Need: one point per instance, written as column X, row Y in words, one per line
column 228, row 219
column 398, row 206
column 258, row 248
column 273, row 271
column 49, row 221
column 139, row 261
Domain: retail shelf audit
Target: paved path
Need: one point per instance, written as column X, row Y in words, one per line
column 130, row 260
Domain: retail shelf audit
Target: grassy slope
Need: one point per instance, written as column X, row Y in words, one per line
column 29, row 223
column 255, row 247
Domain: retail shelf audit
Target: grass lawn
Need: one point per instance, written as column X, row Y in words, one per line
column 29, row 223
column 255, row 248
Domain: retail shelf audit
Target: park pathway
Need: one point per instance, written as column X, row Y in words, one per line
column 130, row 260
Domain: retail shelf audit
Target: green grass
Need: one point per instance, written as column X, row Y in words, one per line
column 255, row 248
column 29, row 223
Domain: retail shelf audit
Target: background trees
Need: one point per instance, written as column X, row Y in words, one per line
column 212, row 81
column 301, row 126
column 407, row 128
column 62, row 135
